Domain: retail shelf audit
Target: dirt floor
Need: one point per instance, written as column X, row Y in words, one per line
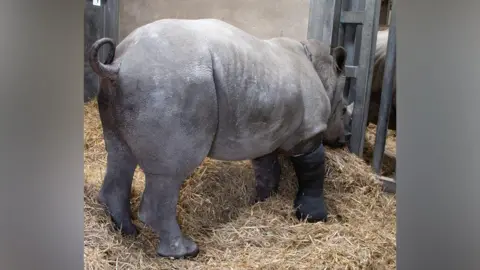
column 214, row 210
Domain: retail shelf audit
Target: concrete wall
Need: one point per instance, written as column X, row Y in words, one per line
column 262, row 18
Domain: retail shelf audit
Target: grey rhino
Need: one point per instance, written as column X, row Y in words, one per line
column 174, row 92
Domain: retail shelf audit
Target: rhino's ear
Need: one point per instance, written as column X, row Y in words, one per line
column 340, row 55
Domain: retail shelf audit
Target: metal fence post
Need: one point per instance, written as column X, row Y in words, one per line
column 320, row 20
column 363, row 75
column 386, row 96
column 100, row 20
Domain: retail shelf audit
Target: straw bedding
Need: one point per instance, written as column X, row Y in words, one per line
column 214, row 210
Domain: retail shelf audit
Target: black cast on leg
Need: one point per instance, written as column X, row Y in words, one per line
column 310, row 171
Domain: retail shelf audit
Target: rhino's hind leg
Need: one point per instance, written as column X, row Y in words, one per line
column 170, row 135
column 158, row 210
column 116, row 187
column 267, row 176
column 167, row 161
column 310, row 170
column 158, row 207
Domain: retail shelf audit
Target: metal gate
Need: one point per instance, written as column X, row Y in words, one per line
column 354, row 24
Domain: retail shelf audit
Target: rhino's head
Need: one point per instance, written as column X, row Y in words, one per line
column 330, row 64
column 338, row 129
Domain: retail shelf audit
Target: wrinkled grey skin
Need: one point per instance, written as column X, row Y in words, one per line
column 267, row 168
column 376, row 89
column 178, row 91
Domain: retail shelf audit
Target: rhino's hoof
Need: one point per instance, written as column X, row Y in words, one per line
column 310, row 209
column 125, row 228
column 181, row 248
column 121, row 220
column 263, row 193
column 260, row 198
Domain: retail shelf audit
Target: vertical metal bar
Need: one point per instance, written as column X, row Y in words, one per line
column 93, row 30
column 390, row 4
column 358, row 32
column 362, row 95
column 384, row 11
column 100, row 21
column 320, row 20
column 349, row 45
column 386, row 96
column 104, row 50
column 376, row 26
column 111, row 19
column 110, row 24
column 360, row 5
column 337, row 33
column 314, row 19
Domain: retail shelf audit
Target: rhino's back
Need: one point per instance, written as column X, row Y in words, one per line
column 259, row 86
column 259, row 92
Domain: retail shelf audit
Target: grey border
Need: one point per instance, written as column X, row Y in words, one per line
column 438, row 150
column 41, row 134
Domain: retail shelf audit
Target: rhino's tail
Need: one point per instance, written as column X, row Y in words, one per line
column 104, row 70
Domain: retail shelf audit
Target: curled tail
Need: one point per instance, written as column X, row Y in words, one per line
column 104, row 70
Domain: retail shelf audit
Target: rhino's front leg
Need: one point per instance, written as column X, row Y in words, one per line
column 310, row 170
column 267, row 176
column 158, row 210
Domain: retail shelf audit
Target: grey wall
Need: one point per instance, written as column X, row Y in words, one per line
column 263, row 18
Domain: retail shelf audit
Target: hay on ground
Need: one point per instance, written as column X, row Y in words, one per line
column 389, row 158
column 214, row 210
